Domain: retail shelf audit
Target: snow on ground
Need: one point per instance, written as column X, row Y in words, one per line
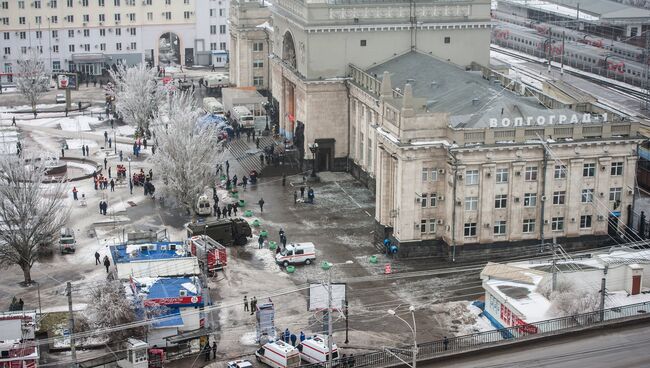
column 125, row 131
column 64, row 308
column 74, row 125
column 248, row 339
column 76, row 143
column 462, row 318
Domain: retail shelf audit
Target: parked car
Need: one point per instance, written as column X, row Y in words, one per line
column 60, row 98
column 240, row 364
column 296, row 253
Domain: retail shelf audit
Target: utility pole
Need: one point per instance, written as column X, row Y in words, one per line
column 554, row 264
column 71, row 325
column 347, row 320
column 329, row 317
column 646, row 82
column 603, row 285
column 562, row 58
column 549, row 49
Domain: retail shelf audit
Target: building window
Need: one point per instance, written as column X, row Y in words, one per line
column 616, row 169
column 23, row 49
column 5, row 5
column 132, row 31
column 530, row 199
column 213, row 29
column 585, row 221
column 258, row 46
column 22, row 35
column 213, row 45
column 131, row 17
column 615, row 194
column 530, row 173
column 557, row 223
column 447, row 39
column 102, row 17
column 471, row 203
column 500, row 227
column 69, row 18
column 423, row 226
column 500, row 201
column 71, row 33
column 168, row 2
column 38, row 19
column 222, row 29
column 71, row 48
column 433, row 200
column 425, row 174
column 258, row 63
column 39, row 34
column 587, row 196
column 54, row 19
column 102, row 46
column 55, row 48
column 471, row 177
column 434, row 175
column 21, row 4
column 102, row 32
column 69, row 3
column 134, row 45
column 258, row 81
column 7, row 50
column 55, row 34
column 149, row 16
column 21, row 20
column 37, row 4
column 432, row 226
column 118, row 31
column 222, row 46
column 87, row 47
column 186, row 15
column 470, row 229
column 529, row 226
column 84, row 2
column 116, row 2
column 559, row 197
column 589, row 170
column 118, row 46
column 222, row 12
column 168, row 15
column 502, row 175
column 560, row 172
column 363, row 43
column 6, row 35
column 86, row 33
column 100, row 2
column 56, row 65
column 213, row 12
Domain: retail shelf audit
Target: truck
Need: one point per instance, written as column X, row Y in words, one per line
column 67, row 241
column 206, row 249
column 225, row 231
column 243, row 116
column 212, row 106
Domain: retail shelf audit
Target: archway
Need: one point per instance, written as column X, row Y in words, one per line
column 169, row 49
column 288, row 49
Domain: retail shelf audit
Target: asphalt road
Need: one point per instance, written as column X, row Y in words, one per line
column 625, row 347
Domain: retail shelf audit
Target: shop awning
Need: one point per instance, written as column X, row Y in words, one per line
column 89, row 58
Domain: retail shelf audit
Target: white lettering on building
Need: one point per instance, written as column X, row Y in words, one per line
column 541, row 120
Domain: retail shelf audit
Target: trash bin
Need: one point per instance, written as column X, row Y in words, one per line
column 248, row 213
column 241, row 203
column 273, row 245
column 291, row 269
column 325, row 265
column 373, row 259
column 256, row 223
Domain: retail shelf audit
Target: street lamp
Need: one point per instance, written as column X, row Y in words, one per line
column 114, row 139
column 130, row 177
column 314, row 150
column 413, row 330
column 329, row 310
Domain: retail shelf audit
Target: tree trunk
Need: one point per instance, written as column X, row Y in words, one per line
column 27, row 273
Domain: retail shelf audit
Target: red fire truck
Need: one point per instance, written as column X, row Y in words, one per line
column 207, row 249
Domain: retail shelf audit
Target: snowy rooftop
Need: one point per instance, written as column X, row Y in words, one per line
column 626, row 257
column 125, row 253
column 523, row 298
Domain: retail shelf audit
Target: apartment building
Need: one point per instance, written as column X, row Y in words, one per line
column 89, row 36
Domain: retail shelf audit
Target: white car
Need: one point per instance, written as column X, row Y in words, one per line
column 239, row 364
column 60, row 98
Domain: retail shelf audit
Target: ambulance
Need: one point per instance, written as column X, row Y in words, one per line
column 314, row 350
column 278, row 354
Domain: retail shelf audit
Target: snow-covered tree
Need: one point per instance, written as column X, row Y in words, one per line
column 186, row 153
column 31, row 212
column 109, row 307
column 137, row 95
column 32, row 78
column 568, row 300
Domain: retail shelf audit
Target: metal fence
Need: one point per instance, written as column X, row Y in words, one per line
column 396, row 356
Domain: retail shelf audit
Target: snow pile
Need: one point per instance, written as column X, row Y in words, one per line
column 74, row 125
column 76, row 143
column 461, row 318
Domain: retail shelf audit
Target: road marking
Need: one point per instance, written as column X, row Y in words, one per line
column 367, row 213
column 351, row 198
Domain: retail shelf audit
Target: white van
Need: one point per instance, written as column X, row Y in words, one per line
column 296, row 253
column 212, row 106
column 314, row 350
column 278, row 354
column 243, row 116
column 203, row 207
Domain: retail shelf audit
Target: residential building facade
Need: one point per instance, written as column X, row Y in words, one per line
column 89, row 36
column 250, row 44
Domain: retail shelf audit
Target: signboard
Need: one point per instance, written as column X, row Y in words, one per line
column 559, row 119
column 318, row 296
column 67, row 81
column 173, row 301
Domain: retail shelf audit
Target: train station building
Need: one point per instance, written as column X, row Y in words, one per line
column 465, row 161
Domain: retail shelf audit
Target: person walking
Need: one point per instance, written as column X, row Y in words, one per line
column 206, row 351
column 227, row 168
column 445, row 342
column 229, row 210
column 302, row 191
column 74, row 193
column 293, row 339
column 105, row 163
column 257, row 143
column 101, row 203
column 110, row 142
column 261, row 203
column 121, row 156
column 253, row 305
column 260, row 242
column 245, row 303
column 112, row 185
column 234, row 181
column 302, row 336
column 244, row 182
column 261, row 159
column 214, row 350
column 234, row 208
column 83, row 150
column 283, row 240
column 287, row 335
column 97, row 258
column 87, row 150
column 109, row 172
column 105, row 137
column 295, row 197
column 107, row 263
column 13, row 121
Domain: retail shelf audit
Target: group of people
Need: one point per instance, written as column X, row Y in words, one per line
column 227, row 210
column 137, row 146
column 101, row 182
column 140, row 178
column 106, row 261
column 310, row 195
column 103, row 207
column 252, row 303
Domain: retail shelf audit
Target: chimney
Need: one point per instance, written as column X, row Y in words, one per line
column 407, row 102
column 386, row 88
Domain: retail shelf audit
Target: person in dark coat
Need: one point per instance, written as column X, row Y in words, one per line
column 293, row 339
column 287, row 335
column 234, row 181
column 215, row 208
column 244, row 181
column 206, row 351
column 445, row 342
column 105, row 163
column 261, row 159
column 107, row 263
column 283, row 240
column 228, row 183
column 260, row 242
column 302, row 191
column 97, row 258
column 245, row 303
column 224, row 211
column 302, row 336
column 83, row 150
column 214, row 350
column 87, row 150
column 218, row 212
column 295, row 197
column 229, row 210
column 261, row 203
column 101, row 204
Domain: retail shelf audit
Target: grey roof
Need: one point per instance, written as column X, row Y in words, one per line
column 469, row 99
column 605, row 8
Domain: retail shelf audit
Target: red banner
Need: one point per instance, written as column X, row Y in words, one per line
column 172, row 301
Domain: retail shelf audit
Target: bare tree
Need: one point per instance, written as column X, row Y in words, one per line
column 186, row 152
column 109, row 307
column 32, row 78
column 31, row 212
column 137, row 95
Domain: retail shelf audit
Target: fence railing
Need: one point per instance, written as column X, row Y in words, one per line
column 396, row 356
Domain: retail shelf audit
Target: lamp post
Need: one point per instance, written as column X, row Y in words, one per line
column 314, row 150
column 130, row 177
column 115, row 140
column 413, row 330
column 329, row 311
